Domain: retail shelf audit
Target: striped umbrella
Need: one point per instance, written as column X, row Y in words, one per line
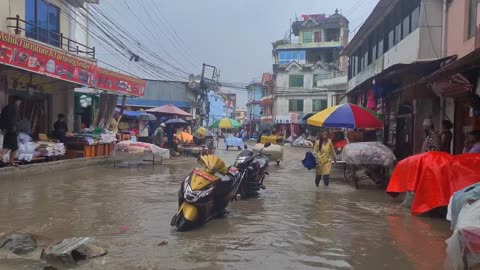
column 226, row 123
column 346, row 116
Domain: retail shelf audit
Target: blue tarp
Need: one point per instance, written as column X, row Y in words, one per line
column 153, row 103
column 131, row 113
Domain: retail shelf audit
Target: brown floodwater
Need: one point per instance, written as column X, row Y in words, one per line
column 292, row 225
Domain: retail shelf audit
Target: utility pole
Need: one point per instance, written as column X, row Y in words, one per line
column 205, row 107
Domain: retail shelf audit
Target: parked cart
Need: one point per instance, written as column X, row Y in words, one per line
column 375, row 160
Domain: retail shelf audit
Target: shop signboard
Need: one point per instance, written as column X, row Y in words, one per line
column 27, row 55
column 120, row 83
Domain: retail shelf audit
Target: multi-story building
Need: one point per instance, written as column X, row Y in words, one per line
column 254, row 110
column 266, row 104
column 399, row 43
column 456, row 83
column 45, row 54
column 304, row 65
column 241, row 115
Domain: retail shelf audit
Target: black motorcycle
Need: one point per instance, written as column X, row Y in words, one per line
column 252, row 168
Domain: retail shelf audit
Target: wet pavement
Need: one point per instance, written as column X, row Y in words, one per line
column 292, row 225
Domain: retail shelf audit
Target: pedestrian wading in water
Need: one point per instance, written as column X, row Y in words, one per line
column 325, row 153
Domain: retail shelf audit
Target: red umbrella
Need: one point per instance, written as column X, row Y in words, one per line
column 169, row 109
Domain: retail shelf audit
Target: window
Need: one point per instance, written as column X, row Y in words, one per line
column 43, row 21
column 317, row 36
column 472, row 18
column 380, row 48
column 286, row 57
column 406, row 27
column 319, row 77
column 307, row 37
column 415, row 17
column 333, row 34
column 295, row 81
column 391, row 39
column 398, row 33
column 319, row 105
column 295, row 105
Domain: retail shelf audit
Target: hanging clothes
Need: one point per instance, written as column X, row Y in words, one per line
column 371, row 102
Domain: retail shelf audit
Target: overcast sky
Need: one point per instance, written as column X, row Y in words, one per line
column 234, row 36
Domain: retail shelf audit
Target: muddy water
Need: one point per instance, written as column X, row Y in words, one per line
column 292, row 225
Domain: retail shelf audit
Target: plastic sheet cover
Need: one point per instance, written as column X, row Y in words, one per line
column 368, row 153
column 141, row 148
column 463, row 247
column 434, row 177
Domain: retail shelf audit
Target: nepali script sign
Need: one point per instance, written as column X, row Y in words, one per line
column 118, row 82
column 27, row 55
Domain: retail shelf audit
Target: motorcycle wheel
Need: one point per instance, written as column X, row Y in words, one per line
column 182, row 223
column 243, row 191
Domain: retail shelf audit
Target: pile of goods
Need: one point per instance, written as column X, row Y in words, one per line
column 368, row 153
column 139, row 148
column 304, row 141
column 51, row 149
column 98, row 135
column 29, row 150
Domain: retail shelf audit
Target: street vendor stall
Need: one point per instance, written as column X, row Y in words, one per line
column 137, row 152
column 230, row 140
column 373, row 159
column 97, row 142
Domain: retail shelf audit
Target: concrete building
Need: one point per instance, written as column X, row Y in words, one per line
column 399, row 43
column 267, row 101
column 159, row 93
column 304, row 66
column 254, row 110
column 241, row 115
column 456, row 83
column 45, row 54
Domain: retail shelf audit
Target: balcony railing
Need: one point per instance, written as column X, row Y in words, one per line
column 53, row 38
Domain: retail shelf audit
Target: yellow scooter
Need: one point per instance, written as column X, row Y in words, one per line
column 205, row 193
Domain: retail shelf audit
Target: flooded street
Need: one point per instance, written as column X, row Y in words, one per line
column 292, row 225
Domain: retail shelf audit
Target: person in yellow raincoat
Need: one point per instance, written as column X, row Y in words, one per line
column 325, row 153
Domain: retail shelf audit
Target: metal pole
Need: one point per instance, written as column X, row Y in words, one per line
column 202, row 95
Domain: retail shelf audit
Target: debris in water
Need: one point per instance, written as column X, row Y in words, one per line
column 18, row 243
column 72, row 251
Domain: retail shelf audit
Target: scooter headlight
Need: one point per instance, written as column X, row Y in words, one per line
column 240, row 160
column 193, row 196
column 206, row 192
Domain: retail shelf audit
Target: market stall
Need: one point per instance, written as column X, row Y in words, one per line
column 130, row 152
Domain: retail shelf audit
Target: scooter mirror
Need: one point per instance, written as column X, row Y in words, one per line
column 245, row 147
column 267, row 145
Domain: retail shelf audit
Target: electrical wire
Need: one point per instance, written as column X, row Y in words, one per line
column 108, row 29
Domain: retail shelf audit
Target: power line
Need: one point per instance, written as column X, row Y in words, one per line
column 108, row 38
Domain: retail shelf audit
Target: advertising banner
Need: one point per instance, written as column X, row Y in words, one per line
column 108, row 80
column 24, row 54
column 55, row 63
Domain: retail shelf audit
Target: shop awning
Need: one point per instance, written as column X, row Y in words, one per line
column 138, row 102
column 467, row 63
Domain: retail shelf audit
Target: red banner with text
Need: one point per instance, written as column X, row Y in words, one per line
column 55, row 63
column 118, row 82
